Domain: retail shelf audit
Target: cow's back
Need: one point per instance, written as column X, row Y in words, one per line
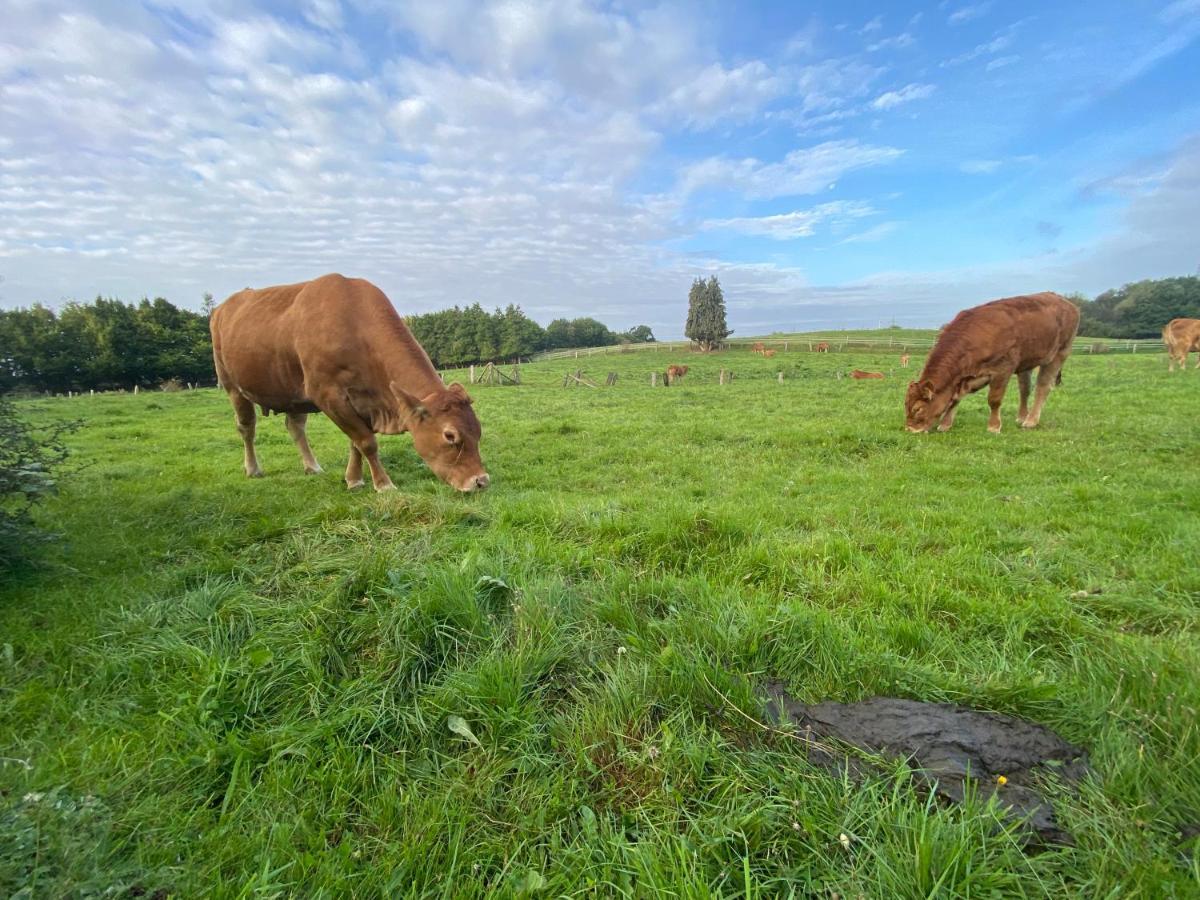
column 1023, row 332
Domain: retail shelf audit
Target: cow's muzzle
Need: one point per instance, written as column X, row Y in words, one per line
column 476, row 483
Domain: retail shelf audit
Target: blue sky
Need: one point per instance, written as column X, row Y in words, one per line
column 835, row 164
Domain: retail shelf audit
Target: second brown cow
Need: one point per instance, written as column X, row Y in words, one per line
column 987, row 345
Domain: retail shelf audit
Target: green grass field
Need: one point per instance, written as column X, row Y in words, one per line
column 234, row 688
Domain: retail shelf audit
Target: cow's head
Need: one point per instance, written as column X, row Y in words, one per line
column 446, row 434
column 924, row 405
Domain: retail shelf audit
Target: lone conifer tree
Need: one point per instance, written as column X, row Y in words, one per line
column 706, row 314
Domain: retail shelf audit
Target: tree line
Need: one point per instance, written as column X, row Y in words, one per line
column 103, row 345
column 461, row 336
column 1140, row 309
column 108, row 345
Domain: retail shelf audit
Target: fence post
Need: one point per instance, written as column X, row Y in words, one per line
column 653, row 379
column 781, row 378
column 135, row 388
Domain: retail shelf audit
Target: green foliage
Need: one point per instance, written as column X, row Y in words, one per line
column 583, row 332
column 28, row 458
column 261, row 687
column 639, row 334
column 706, row 314
column 462, row 336
column 103, row 345
column 1141, row 309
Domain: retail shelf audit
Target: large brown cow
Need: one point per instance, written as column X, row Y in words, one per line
column 336, row 345
column 986, row 345
column 1181, row 336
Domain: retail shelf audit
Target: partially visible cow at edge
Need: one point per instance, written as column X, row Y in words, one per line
column 1181, row 336
column 337, row 345
column 987, row 345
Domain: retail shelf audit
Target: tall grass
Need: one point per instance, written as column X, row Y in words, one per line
column 245, row 687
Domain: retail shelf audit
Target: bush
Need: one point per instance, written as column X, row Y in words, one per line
column 28, row 459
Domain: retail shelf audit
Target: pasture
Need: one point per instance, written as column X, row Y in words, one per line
column 231, row 687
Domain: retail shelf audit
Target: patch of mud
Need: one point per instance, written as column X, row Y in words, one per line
column 947, row 745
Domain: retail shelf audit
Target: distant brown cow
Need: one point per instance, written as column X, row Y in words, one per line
column 674, row 373
column 904, row 361
column 769, row 353
column 1181, row 337
column 758, row 348
column 986, row 345
column 337, row 345
column 860, row 374
column 822, row 347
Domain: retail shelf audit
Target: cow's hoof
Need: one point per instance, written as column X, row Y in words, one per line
column 944, row 428
column 257, row 473
column 1029, row 423
column 993, row 429
column 315, row 470
column 354, row 485
column 379, row 489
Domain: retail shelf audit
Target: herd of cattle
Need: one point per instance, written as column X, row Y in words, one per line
column 337, row 345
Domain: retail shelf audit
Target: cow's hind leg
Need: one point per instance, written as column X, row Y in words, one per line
column 1047, row 376
column 244, row 415
column 296, row 423
column 1025, row 385
column 996, row 390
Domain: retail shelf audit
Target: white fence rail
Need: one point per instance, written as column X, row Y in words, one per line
column 896, row 345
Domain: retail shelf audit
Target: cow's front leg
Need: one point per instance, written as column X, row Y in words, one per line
column 369, row 447
column 362, row 442
column 296, row 428
column 948, row 418
column 995, row 397
column 354, row 477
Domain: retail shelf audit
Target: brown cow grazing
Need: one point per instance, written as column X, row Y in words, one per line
column 1181, row 336
column 904, row 361
column 674, row 373
column 822, row 347
column 986, row 345
column 758, row 348
column 860, row 374
column 769, row 353
column 337, row 345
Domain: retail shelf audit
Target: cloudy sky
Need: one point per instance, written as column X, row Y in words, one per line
column 834, row 163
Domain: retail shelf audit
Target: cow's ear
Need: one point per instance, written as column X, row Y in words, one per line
column 926, row 390
column 415, row 406
column 460, row 392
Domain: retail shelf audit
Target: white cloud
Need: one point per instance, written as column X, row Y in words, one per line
column 906, row 94
column 995, row 45
column 980, row 166
column 1000, row 62
column 807, row 171
column 898, row 42
column 1180, row 9
column 874, row 233
column 872, row 26
column 800, row 223
column 967, row 13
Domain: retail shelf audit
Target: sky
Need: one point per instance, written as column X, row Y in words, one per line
column 835, row 164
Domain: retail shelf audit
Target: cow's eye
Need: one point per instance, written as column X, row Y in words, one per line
column 450, row 436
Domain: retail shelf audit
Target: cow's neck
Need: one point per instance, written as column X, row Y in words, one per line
column 408, row 364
